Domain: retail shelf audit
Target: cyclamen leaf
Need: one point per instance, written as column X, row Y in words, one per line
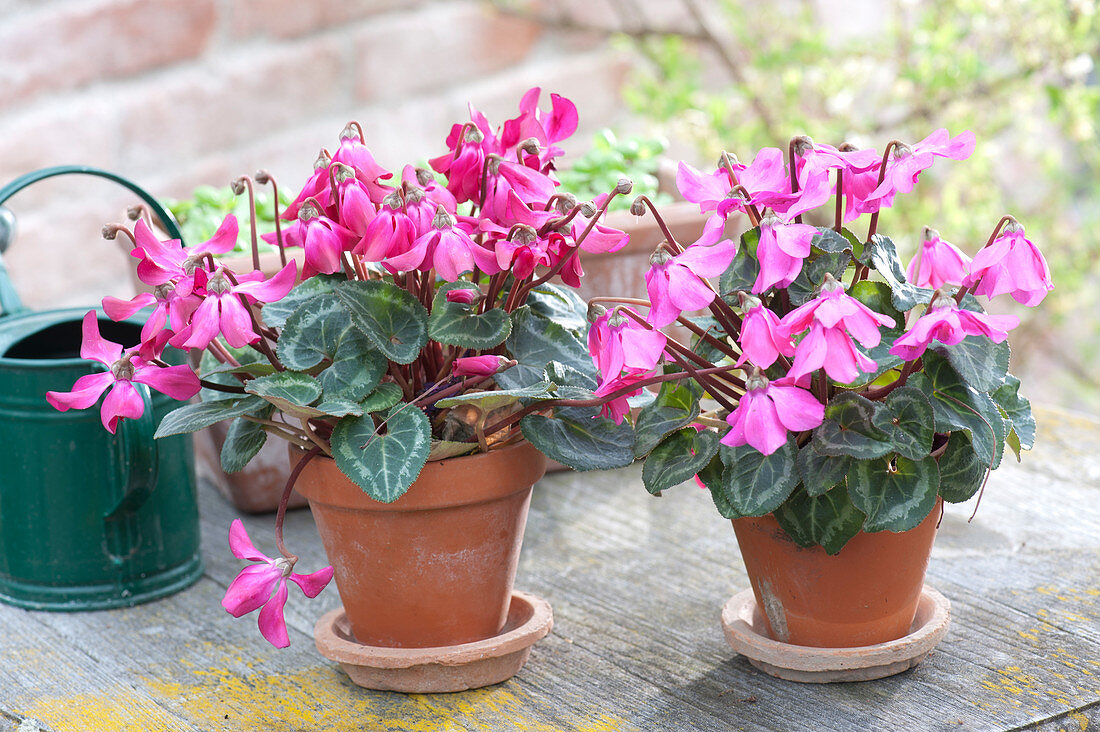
column 535, row 341
column 394, row 320
column 908, row 420
column 487, row 401
column 356, row 368
column 677, row 458
column 291, row 392
column 457, row 324
column 744, row 269
column 819, row 472
column 562, row 305
column 242, row 442
column 805, row 286
column 884, row 258
column 383, row 465
column 1017, row 411
column 849, row 429
column 757, row 484
column 978, row 361
column 960, row 407
column 194, row 417
column 578, row 438
column 382, row 398
column 313, row 332
column 831, row 241
column 895, row 497
column 443, row 449
column 275, row 314
column 829, row 520
column 961, row 472
column 676, row 405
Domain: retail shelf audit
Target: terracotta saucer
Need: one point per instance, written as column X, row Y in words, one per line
column 433, row 670
column 746, row 634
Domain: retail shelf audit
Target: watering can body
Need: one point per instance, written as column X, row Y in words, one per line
column 88, row 520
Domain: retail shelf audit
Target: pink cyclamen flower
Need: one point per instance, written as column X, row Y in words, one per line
column 462, row 295
column 171, row 310
column 761, row 340
column 264, row 586
column 481, row 365
column 947, row 323
column 390, row 233
column 222, row 311
column 768, row 410
column 616, row 341
column 781, row 252
column 619, row 407
column 937, row 263
column 166, row 261
column 676, row 284
column 124, row 370
column 1012, row 265
column 906, row 162
column 834, row 318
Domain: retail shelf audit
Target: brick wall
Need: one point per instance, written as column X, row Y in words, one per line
column 175, row 93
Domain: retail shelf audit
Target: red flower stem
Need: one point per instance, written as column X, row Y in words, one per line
column 349, row 266
column 560, row 222
column 245, row 181
column 839, row 219
column 452, row 355
column 552, row 200
column 400, row 380
column 215, row 386
column 484, row 183
column 462, row 138
column 669, row 238
column 873, row 226
column 716, row 343
column 110, row 231
column 221, row 353
column 750, row 208
column 992, row 237
column 596, row 217
column 546, row 404
column 461, row 386
column 281, row 515
column 262, row 176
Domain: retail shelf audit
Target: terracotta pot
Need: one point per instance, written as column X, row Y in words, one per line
column 435, row 567
column 257, row 488
column 863, row 595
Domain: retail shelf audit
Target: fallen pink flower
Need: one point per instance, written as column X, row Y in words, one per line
column 264, row 586
column 124, row 370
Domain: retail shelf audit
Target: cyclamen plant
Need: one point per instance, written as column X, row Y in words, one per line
column 429, row 321
column 827, row 385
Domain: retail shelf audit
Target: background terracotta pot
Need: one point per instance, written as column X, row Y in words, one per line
column 259, row 486
column 435, row 567
column 863, row 595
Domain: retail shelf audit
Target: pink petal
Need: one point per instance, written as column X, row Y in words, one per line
column 117, row 309
column 312, row 584
column 708, row 261
column 251, row 588
column 797, row 409
column 662, row 311
column 701, row 188
column 123, row 400
column 810, row 353
column 205, row 324
column 763, row 430
column 686, row 290
column 241, row 545
column 94, row 347
column 85, row 392
column 273, row 289
column 235, row 324
column 224, row 239
column 178, row 382
column 271, row 622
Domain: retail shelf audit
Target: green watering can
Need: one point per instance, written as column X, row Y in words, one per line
column 88, row 520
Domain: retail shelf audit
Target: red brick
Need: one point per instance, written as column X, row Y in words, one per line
column 436, row 48
column 247, row 96
column 292, row 18
column 70, row 46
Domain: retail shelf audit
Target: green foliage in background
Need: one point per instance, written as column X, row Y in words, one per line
column 609, row 159
column 1019, row 73
column 201, row 215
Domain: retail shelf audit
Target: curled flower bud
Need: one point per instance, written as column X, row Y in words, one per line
column 238, row 186
column 565, row 202
column 481, row 365
column 588, row 209
column 801, row 144
column 494, row 163
column 530, row 146
column 523, row 234
column 323, row 160
column 110, row 231
column 342, row 172
column 595, row 311
column 624, row 186
column 463, row 296
column 473, row 134
column 352, row 131
column 135, row 212
column 262, row 177
column 638, row 207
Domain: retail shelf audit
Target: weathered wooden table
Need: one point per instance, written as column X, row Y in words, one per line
column 637, row 584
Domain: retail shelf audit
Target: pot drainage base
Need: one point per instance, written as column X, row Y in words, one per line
column 443, row 669
column 746, row 634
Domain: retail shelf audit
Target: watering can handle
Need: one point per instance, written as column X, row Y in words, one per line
column 137, row 453
column 9, row 300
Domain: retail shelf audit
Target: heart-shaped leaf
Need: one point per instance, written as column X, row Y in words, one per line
column 290, row 391
column 884, row 258
column 535, row 341
column 676, row 405
column 382, row 398
column 743, row 270
column 578, row 438
column 488, row 401
column 194, row 417
column 313, row 332
column 383, row 465
column 757, row 484
column 356, row 368
column 961, row 472
column 829, row 520
column 978, row 361
column 677, row 458
column 275, row 314
column 849, row 429
column 1017, row 411
column 896, row 494
column 804, row 287
column 562, row 305
column 243, row 440
column 908, row 421
column 818, row 472
column 394, row 321
column 457, row 324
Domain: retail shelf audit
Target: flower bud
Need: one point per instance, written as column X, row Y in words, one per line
column 801, row 144
column 323, row 160
column 134, row 212
column 588, row 209
column 660, row 255
column 481, row 365
column 595, row 311
column 238, row 186
column 110, row 231
column 930, row 234
column 624, row 186
column 530, row 146
column 638, row 207
column 565, row 202
column 262, row 177
column 463, row 296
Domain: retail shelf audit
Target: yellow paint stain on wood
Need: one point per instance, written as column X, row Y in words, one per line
column 119, row 710
column 322, row 698
column 1081, row 720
